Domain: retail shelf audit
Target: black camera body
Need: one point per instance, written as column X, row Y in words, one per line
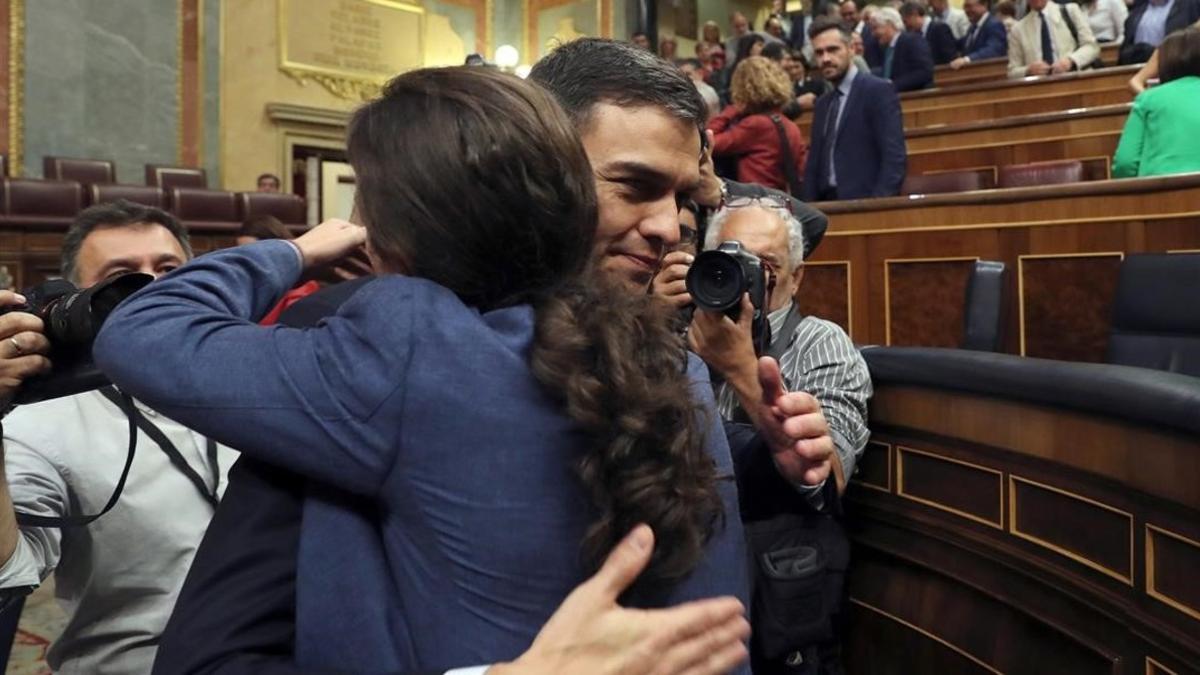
column 72, row 319
column 717, row 280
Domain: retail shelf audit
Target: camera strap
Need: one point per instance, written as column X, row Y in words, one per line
column 781, row 342
column 125, row 403
column 169, row 448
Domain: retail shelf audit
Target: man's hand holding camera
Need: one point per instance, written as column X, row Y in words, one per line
column 671, row 281
column 791, row 423
column 22, row 347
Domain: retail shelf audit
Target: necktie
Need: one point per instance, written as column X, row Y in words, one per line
column 887, row 62
column 831, row 125
column 1047, row 45
column 971, row 37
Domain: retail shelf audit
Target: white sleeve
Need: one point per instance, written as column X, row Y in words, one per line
column 474, row 670
column 38, row 487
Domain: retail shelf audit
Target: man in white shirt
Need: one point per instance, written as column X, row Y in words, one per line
column 118, row 576
column 1043, row 43
column 940, row 10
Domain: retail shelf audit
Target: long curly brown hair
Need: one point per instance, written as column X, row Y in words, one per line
column 477, row 181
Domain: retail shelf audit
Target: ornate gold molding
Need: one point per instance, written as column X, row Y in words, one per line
column 342, row 87
column 16, row 86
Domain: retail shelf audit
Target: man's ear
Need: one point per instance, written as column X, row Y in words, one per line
column 798, row 276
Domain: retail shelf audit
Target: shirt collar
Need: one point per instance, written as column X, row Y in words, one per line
column 848, row 81
column 896, row 39
column 925, row 26
column 778, row 317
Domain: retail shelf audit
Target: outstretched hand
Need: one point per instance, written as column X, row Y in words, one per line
column 591, row 633
column 794, row 428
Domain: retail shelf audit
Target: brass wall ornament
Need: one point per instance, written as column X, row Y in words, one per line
column 349, row 47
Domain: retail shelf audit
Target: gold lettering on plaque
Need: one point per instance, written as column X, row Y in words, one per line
column 351, row 47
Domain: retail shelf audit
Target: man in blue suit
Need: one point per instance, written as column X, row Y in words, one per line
column 985, row 39
column 857, row 148
column 936, row 34
column 899, row 56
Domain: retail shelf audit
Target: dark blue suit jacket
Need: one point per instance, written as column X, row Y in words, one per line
column 869, row 152
column 991, row 40
column 1183, row 14
column 942, row 44
column 912, row 64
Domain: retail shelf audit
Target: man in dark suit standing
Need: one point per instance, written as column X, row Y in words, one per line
column 899, row 56
column 985, row 39
column 1152, row 20
column 857, row 148
column 936, row 34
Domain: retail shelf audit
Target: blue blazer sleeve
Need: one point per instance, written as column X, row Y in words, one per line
column 187, row 346
column 887, row 123
column 942, row 43
column 914, row 63
column 991, row 43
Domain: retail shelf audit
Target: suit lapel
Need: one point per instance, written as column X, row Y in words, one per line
column 852, row 103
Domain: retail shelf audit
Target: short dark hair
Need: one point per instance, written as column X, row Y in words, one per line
column 746, row 43
column 268, row 175
column 265, row 227
column 121, row 213
column 775, row 51
column 1006, row 8
column 825, row 24
column 637, row 33
column 589, row 71
column 910, row 8
column 1179, row 55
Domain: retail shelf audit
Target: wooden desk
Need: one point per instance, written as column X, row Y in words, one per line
column 1088, row 134
column 1091, row 80
column 993, row 535
column 1012, row 99
column 993, row 70
column 894, row 271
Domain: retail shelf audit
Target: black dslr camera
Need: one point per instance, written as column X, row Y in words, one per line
column 72, row 319
column 718, row 279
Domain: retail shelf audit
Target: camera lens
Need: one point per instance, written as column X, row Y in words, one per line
column 715, row 281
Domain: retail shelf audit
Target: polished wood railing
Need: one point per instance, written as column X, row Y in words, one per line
column 1015, row 516
column 894, row 271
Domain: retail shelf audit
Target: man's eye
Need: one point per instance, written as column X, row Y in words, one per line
column 167, row 268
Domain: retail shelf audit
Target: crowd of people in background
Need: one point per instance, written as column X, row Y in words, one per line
column 901, row 41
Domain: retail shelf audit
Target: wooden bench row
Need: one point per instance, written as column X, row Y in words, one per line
column 893, row 271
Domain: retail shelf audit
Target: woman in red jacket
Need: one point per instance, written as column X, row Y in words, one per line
column 753, row 129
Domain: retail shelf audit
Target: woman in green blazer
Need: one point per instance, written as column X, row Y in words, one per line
column 1162, row 134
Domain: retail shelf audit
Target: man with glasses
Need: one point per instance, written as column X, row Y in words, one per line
column 817, row 357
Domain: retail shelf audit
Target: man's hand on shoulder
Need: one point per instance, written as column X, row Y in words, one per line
column 591, row 633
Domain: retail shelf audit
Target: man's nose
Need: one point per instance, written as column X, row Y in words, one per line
column 662, row 222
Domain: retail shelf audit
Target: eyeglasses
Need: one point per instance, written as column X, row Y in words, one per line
column 770, row 200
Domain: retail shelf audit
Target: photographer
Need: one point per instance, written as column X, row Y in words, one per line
column 819, row 358
column 119, row 576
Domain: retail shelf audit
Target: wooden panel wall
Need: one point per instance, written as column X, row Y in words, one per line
column 1020, row 538
column 907, row 259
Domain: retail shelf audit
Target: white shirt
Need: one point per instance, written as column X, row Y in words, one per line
column 1107, row 19
column 117, row 578
column 957, row 20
